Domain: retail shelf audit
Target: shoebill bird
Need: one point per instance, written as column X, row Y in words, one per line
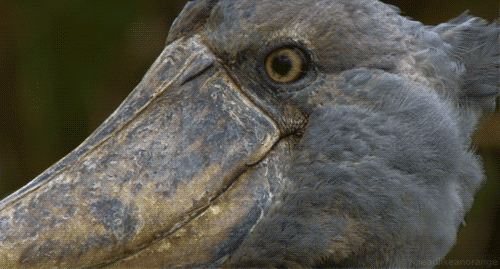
column 325, row 133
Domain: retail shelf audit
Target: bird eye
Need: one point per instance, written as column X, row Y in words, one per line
column 286, row 65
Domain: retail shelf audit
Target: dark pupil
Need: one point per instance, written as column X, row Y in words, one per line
column 282, row 65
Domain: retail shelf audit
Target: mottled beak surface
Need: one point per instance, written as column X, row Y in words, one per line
column 170, row 176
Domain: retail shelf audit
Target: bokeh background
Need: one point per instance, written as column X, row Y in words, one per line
column 65, row 65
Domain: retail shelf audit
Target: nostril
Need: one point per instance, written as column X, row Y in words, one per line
column 195, row 69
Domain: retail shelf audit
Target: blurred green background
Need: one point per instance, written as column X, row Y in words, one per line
column 65, row 65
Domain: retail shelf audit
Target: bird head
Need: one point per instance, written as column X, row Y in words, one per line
column 274, row 133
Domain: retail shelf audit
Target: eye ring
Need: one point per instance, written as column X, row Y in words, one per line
column 286, row 65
